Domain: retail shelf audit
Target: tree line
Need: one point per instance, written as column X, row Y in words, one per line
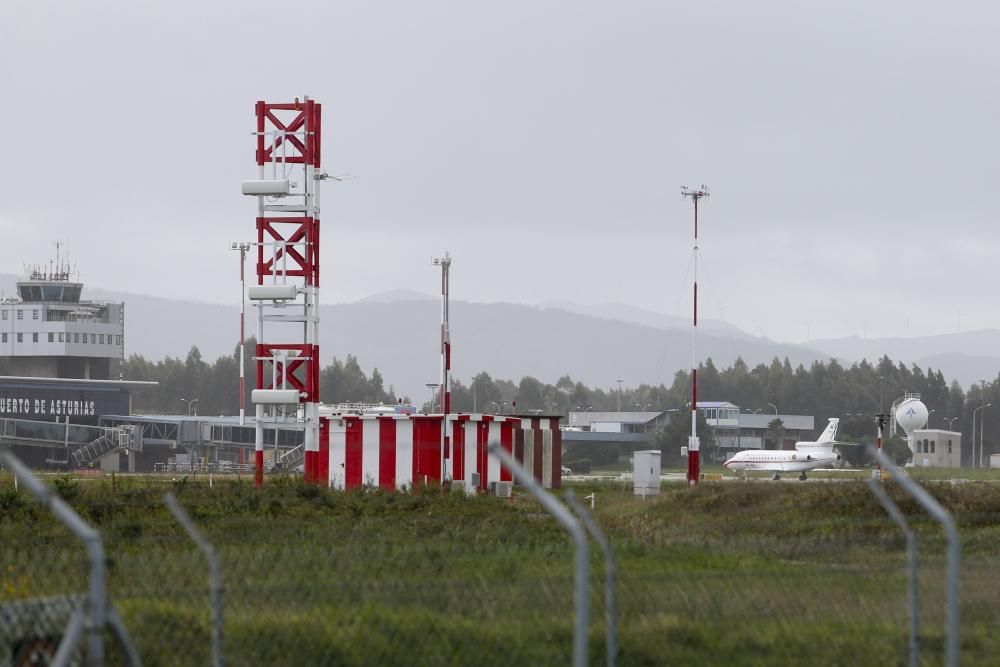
column 196, row 386
column 853, row 393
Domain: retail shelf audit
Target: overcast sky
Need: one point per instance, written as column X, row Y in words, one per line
column 851, row 149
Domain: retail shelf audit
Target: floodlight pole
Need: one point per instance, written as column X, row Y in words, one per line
column 880, row 421
column 444, row 393
column 242, row 247
column 694, row 446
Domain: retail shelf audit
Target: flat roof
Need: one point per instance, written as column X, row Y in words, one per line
column 107, row 383
column 221, row 420
column 790, row 422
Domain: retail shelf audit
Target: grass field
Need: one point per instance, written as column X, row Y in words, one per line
column 727, row 573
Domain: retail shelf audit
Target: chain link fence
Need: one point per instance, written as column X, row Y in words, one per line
column 754, row 573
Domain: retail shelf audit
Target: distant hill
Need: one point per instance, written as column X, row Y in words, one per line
column 635, row 315
column 967, row 356
column 398, row 333
column 393, row 296
column 511, row 340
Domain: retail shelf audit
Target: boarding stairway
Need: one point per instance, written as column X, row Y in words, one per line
column 292, row 458
column 112, row 440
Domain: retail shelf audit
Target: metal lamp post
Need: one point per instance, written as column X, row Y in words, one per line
column 976, row 462
column 775, row 408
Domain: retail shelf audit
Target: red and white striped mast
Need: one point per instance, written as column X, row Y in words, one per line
column 243, row 247
column 694, row 446
column 287, row 291
column 444, row 392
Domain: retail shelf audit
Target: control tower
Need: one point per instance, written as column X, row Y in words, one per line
column 48, row 331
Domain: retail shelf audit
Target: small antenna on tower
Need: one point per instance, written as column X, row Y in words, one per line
column 695, row 193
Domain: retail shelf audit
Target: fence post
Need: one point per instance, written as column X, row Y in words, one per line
column 911, row 551
column 573, row 527
column 610, row 574
column 214, row 574
column 97, row 603
column 942, row 516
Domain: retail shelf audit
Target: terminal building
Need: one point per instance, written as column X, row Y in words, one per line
column 604, row 437
column 61, row 361
column 736, row 430
column 48, row 331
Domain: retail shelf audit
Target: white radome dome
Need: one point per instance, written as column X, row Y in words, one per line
column 911, row 415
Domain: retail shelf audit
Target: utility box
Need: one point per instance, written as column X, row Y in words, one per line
column 646, row 472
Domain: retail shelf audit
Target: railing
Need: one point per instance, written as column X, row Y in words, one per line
column 293, row 457
column 46, row 433
column 122, row 437
column 222, row 467
column 90, row 442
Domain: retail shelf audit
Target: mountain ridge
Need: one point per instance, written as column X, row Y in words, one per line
column 398, row 332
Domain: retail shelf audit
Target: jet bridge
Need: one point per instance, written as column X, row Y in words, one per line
column 81, row 445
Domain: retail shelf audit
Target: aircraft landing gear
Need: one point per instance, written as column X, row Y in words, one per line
column 802, row 477
column 776, row 477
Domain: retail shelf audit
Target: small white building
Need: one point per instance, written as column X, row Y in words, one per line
column 938, row 448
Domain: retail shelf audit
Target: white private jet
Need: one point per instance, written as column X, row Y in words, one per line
column 806, row 456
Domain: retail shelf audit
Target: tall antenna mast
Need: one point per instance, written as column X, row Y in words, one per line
column 287, row 290
column 444, row 393
column 694, row 446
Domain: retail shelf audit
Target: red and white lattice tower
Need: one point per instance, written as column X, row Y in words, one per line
column 287, row 291
column 445, row 390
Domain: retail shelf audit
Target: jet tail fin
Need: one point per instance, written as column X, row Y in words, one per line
column 830, row 433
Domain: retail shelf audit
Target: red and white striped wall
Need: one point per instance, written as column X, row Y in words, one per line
column 388, row 451
column 392, row 451
column 534, row 442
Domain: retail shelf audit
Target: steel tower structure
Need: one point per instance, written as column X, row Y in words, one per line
column 287, row 291
column 445, row 390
